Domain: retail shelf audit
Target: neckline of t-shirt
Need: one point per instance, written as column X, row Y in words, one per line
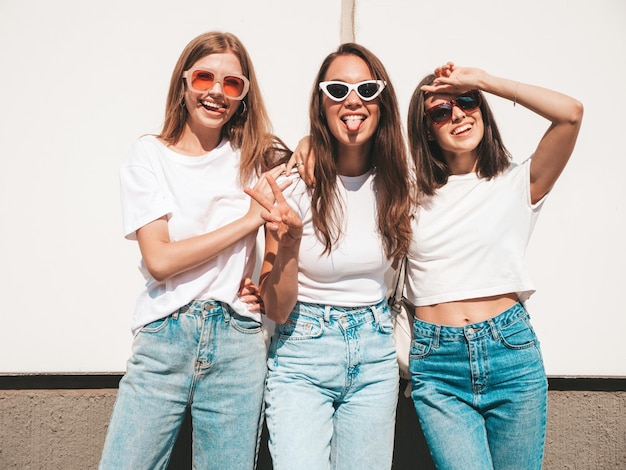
column 463, row 176
column 356, row 179
column 351, row 183
column 194, row 158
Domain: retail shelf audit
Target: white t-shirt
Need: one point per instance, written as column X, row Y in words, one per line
column 353, row 274
column 198, row 195
column 470, row 239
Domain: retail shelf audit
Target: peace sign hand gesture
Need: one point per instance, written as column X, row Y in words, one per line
column 280, row 219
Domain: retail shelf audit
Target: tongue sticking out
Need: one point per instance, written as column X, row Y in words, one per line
column 353, row 124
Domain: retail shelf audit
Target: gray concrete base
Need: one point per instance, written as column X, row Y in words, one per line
column 65, row 429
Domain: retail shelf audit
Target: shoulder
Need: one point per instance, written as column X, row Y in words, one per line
column 297, row 186
column 143, row 150
column 517, row 171
column 297, row 194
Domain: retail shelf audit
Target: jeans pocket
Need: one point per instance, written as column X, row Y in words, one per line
column 156, row 326
column 300, row 327
column 518, row 335
column 244, row 324
column 421, row 346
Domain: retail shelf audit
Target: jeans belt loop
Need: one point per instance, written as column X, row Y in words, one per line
column 225, row 311
column 436, row 335
column 327, row 314
column 375, row 310
column 494, row 330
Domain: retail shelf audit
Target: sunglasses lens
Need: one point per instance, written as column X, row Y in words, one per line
column 368, row 90
column 233, row 86
column 443, row 112
column 440, row 113
column 337, row 90
column 202, row 80
column 468, row 101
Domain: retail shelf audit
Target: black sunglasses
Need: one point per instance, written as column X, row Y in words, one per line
column 442, row 112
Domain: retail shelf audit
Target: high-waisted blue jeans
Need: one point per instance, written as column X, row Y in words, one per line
column 332, row 389
column 480, row 393
column 204, row 358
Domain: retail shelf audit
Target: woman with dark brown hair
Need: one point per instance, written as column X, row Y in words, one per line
column 332, row 383
column 479, row 385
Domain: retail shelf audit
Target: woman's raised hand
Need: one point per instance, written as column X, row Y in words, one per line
column 263, row 189
column 455, row 80
column 280, row 219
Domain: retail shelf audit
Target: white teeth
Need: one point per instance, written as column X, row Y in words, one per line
column 458, row 130
column 353, row 118
column 212, row 105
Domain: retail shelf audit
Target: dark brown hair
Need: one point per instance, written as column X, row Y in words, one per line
column 430, row 166
column 387, row 156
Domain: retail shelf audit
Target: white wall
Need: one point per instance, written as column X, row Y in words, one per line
column 81, row 80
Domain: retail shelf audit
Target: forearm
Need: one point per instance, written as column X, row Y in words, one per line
column 557, row 107
column 164, row 258
column 279, row 281
column 557, row 144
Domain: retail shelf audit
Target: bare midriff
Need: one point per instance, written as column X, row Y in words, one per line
column 465, row 312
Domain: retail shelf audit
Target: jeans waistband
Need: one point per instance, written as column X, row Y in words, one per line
column 328, row 312
column 473, row 330
column 201, row 307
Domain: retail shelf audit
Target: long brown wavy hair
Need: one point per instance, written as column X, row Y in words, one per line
column 430, row 165
column 387, row 156
column 249, row 129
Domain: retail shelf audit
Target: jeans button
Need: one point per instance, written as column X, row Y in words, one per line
column 471, row 331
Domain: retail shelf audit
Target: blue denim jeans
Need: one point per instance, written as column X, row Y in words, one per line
column 204, row 358
column 480, row 392
column 332, row 389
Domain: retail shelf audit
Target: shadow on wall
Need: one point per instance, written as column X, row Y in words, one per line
column 410, row 450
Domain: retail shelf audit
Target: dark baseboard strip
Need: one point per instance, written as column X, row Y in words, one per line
column 587, row 384
column 108, row 381
column 59, row 381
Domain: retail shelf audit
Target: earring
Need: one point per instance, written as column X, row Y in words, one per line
column 244, row 110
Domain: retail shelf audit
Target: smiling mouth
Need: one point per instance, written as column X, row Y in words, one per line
column 462, row 129
column 353, row 122
column 210, row 106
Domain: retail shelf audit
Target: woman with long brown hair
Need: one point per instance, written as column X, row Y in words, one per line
column 332, row 383
column 479, row 385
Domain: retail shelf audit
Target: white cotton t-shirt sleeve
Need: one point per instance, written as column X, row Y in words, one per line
column 142, row 186
column 198, row 195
